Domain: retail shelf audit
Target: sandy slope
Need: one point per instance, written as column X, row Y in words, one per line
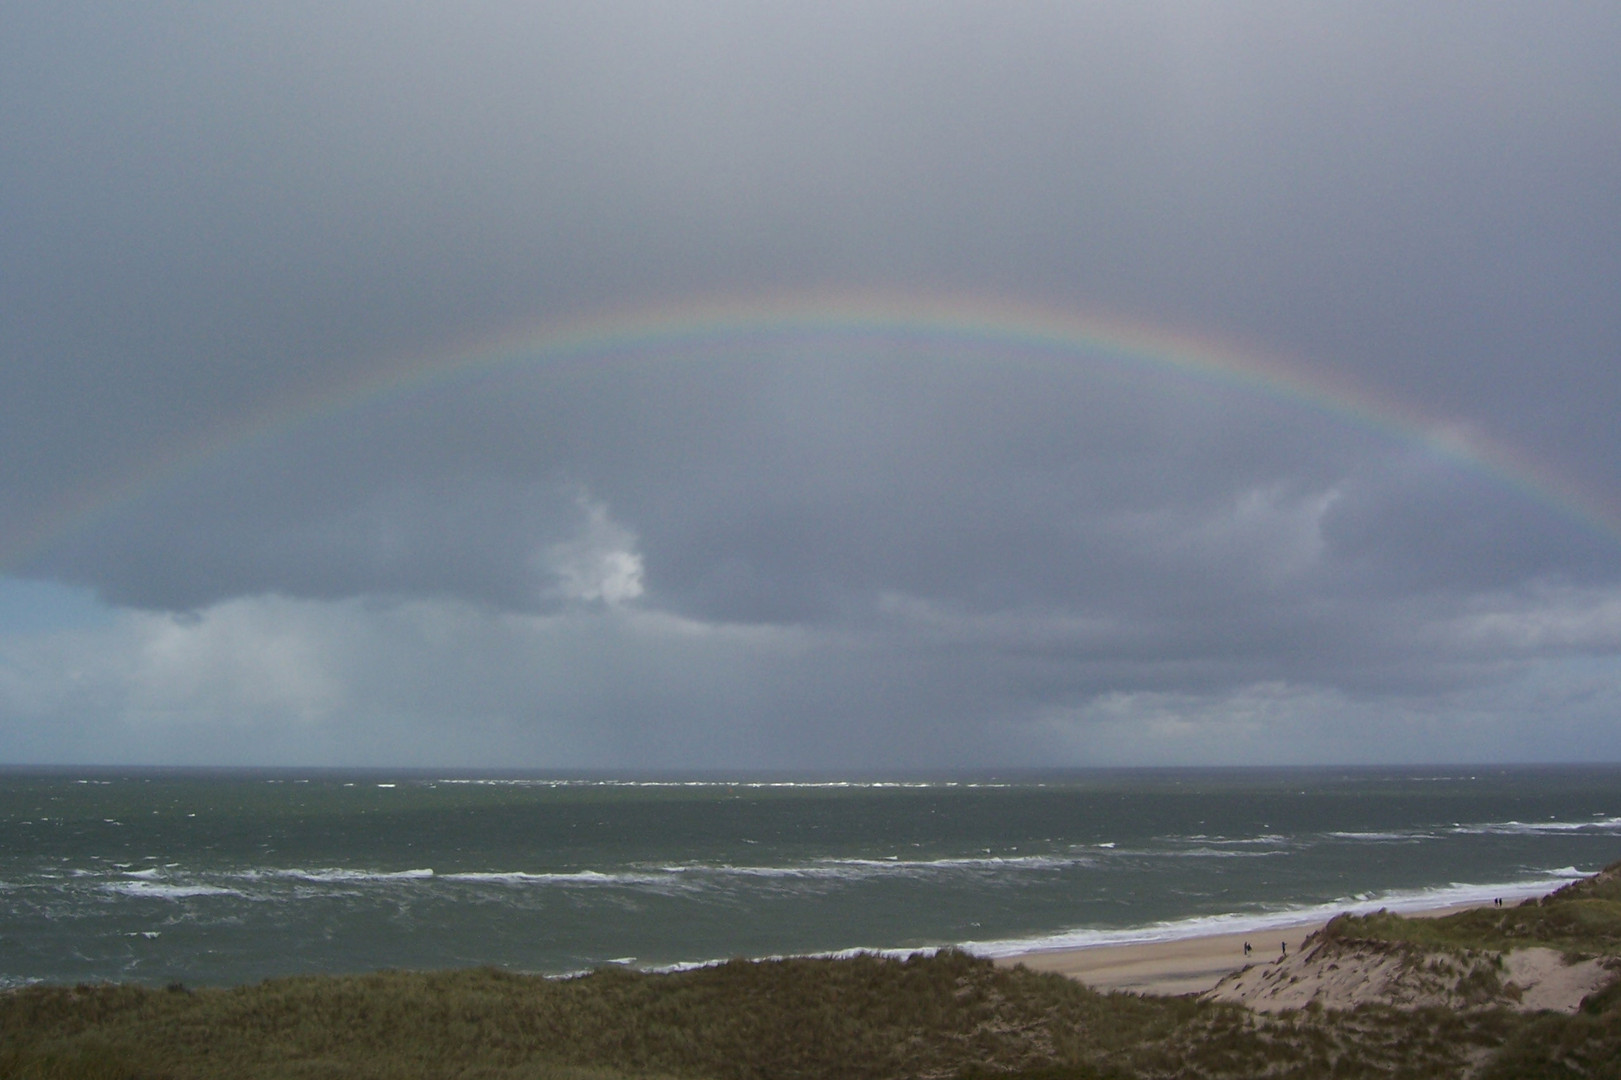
column 1334, row 974
column 1338, row 975
column 1185, row 966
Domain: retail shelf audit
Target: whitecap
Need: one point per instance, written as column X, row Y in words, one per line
column 1381, row 837
column 975, row 862
column 335, row 874
column 1207, row 853
column 575, row 877
column 1532, row 828
column 166, row 891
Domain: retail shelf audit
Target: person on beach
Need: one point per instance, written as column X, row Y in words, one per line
column 1246, row 948
column 1283, row 946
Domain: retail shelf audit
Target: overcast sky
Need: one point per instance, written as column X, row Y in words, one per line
column 806, row 548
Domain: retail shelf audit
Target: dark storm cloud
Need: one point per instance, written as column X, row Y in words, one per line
column 214, row 214
column 1205, row 535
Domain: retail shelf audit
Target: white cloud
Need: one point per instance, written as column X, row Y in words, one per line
column 1547, row 618
column 599, row 564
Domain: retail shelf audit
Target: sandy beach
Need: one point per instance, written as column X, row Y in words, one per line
column 1184, row 966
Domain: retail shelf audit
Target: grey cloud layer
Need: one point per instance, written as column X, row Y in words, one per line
column 212, row 214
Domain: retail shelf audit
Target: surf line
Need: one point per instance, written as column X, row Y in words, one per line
column 1019, row 333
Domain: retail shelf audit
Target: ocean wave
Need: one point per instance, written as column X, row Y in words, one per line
column 590, row 878
column 862, row 785
column 336, row 875
column 1198, row 853
column 683, row 877
column 829, row 954
column 167, row 891
column 1534, row 828
column 1264, row 840
column 830, row 869
column 698, row 871
column 1407, row 836
column 967, row 862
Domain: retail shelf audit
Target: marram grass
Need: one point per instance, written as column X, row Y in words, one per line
column 945, row 1016
column 1582, row 919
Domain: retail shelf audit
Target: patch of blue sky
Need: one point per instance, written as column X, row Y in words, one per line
column 40, row 607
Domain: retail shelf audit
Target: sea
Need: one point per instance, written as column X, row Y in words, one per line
column 231, row 877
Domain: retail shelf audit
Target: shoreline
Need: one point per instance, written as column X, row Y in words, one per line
column 1188, row 965
column 1169, row 958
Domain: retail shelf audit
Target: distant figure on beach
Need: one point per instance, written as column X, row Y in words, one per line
column 1499, row 901
column 1246, row 948
column 1283, row 947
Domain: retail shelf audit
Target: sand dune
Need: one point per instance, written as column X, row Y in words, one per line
column 1339, row 975
column 1289, row 969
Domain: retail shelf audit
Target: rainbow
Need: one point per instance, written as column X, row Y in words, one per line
column 919, row 322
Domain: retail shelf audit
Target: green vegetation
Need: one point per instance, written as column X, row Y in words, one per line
column 944, row 1016
column 1582, row 919
column 949, row 1015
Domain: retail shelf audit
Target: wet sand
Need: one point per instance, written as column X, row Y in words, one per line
column 1185, row 966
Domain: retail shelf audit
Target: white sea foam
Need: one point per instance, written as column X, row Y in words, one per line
column 335, row 874
column 697, row 871
column 975, row 862
column 693, row 874
column 1533, row 828
column 1410, row 900
column 821, row 870
column 1409, row 836
column 1268, row 839
column 684, row 876
column 592, row 878
column 1209, row 853
column 166, row 891
column 863, row 785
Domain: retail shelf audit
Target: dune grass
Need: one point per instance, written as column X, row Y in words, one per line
column 865, row 1017
column 1580, row 919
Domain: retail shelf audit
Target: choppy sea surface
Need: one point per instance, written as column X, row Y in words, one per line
column 232, row 877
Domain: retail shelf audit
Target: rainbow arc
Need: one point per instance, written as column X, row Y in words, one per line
column 946, row 324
